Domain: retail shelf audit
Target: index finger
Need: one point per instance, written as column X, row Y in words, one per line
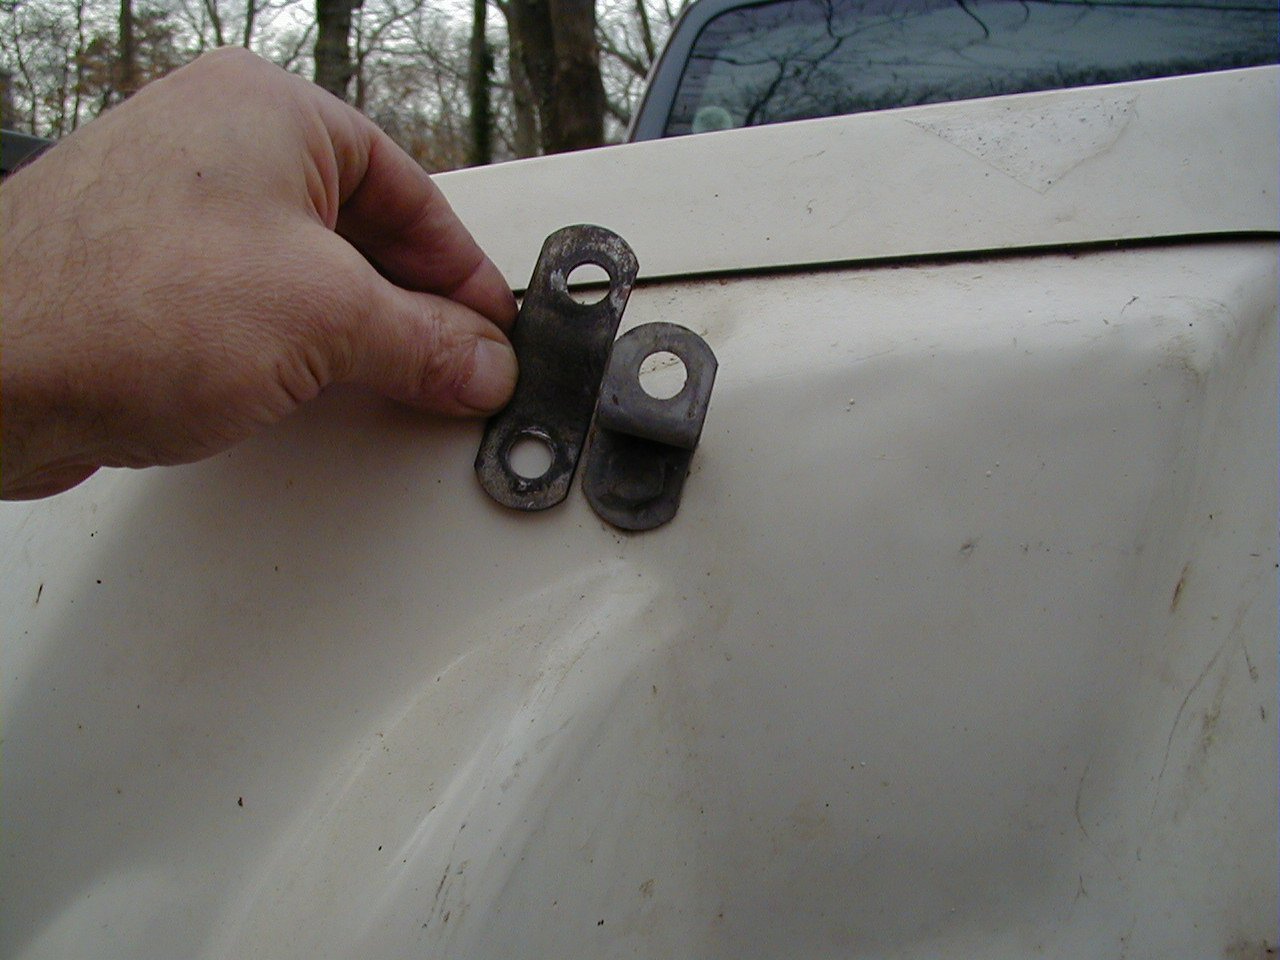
column 393, row 213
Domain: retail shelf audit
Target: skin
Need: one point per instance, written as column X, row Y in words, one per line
column 209, row 255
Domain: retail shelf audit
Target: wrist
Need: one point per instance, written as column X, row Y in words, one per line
column 41, row 449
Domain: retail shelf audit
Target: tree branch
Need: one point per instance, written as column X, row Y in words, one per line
column 628, row 59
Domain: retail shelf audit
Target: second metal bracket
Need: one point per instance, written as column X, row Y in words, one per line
column 641, row 446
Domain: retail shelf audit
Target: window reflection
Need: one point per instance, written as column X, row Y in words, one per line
column 812, row 58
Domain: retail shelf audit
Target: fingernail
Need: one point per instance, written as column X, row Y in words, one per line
column 493, row 376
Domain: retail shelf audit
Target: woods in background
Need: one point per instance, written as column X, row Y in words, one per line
column 455, row 82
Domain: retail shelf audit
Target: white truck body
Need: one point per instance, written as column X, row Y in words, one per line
column 963, row 643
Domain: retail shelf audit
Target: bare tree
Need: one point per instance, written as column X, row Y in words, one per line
column 629, row 34
column 250, row 16
column 556, row 40
column 524, row 115
column 8, row 110
column 334, row 67
column 65, row 62
column 415, row 66
column 379, row 31
column 578, row 87
column 24, row 59
column 127, row 82
column 81, row 43
column 480, row 86
column 215, row 21
column 289, row 48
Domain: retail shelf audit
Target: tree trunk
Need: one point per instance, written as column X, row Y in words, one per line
column 8, row 111
column 215, row 19
column 522, row 99
column 526, row 114
column 23, row 69
column 63, row 90
column 358, row 74
column 579, row 89
column 334, row 67
column 530, row 25
column 646, row 33
column 361, row 96
column 479, row 84
column 80, row 52
column 127, row 65
column 558, row 48
column 250, row 14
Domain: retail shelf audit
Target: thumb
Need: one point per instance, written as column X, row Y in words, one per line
column 431, row 352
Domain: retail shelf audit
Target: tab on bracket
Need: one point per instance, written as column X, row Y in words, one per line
column 641, row 446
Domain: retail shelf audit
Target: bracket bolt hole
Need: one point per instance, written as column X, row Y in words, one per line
column 530, row 456
column 598, row 283
column 662, row 375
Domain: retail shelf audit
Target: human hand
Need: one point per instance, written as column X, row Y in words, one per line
column 214, row 252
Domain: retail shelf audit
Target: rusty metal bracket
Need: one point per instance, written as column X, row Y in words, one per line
column 563, row 348
column 641, row 446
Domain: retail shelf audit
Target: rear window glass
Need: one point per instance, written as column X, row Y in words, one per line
column 814, row 58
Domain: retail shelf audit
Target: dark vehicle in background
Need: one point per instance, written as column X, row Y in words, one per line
column 731, row 64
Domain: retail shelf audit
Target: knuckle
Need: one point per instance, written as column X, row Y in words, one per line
column 230, row 57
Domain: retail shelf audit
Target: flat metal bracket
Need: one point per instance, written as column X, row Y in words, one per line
column 641, row 446
column 563, row 348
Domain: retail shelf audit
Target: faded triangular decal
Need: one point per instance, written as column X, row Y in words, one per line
column 1035, row 140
